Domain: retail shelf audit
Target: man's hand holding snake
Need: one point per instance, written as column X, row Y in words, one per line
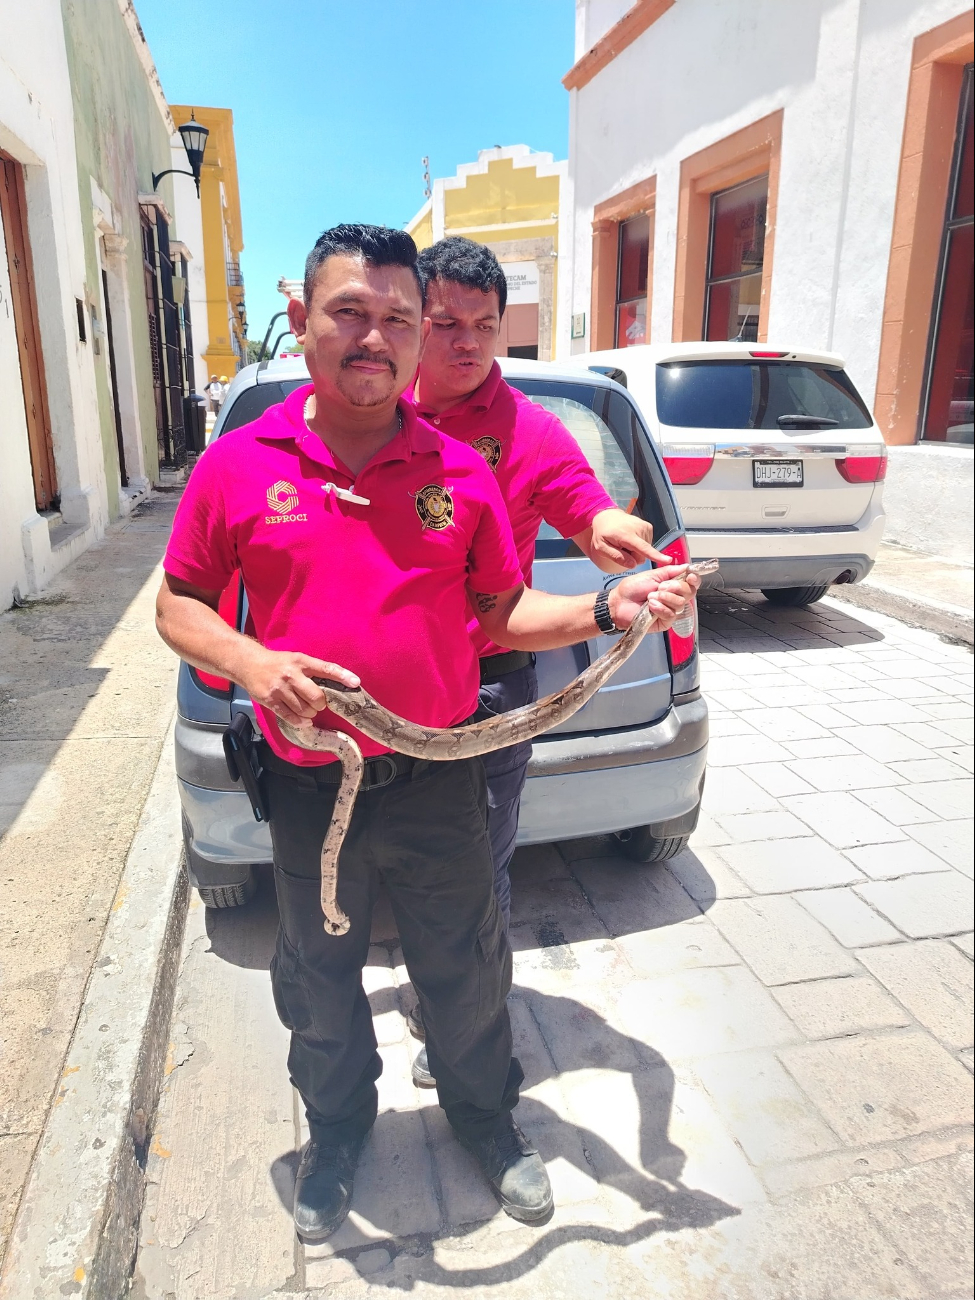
column 284, row 681
column 666, row 591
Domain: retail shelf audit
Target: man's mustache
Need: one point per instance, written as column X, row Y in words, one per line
column 366, row 356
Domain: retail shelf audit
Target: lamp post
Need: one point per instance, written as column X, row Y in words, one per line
column 194, row 136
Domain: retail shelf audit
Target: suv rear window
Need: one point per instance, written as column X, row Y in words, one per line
column 754, row 395
column 617, row 447
column 254, row 401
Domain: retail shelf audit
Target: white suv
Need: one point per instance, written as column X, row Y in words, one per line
column 777, row 464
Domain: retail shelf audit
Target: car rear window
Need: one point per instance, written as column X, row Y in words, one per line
column 754, row 395
column 254, row 401
column 617, row 447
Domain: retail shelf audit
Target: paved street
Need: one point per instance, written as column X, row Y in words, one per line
column 749, row 1070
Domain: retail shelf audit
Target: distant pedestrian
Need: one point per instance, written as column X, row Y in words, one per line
column 216, row 391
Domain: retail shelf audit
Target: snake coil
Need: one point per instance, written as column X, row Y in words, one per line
column 442, row 743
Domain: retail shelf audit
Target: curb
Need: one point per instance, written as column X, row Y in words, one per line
column 76, row 1230
column 919, row 611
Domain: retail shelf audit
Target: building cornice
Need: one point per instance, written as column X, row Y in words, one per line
column 633, row 24
column 141, row 45
column 505, row 225
column 155, row 200
column 641, row 197
column 519, row 155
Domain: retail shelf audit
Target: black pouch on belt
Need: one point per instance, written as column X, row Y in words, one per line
column 243, row 764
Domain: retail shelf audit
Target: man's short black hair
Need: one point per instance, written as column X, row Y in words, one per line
column 464, row 262
column 376, row 245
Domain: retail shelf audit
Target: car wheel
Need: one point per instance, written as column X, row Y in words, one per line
column 640, row 844
column 795, row 596
column 220, row 896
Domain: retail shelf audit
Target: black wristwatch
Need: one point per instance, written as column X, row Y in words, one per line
column 600, row 612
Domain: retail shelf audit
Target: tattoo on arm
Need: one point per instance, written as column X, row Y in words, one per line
column 485, row 603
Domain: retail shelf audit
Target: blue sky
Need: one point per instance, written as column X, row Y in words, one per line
column 336, row 101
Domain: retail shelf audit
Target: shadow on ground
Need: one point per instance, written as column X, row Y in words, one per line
column 49, row 647
column 569, row 902
column 558, row 905
column 745, row 620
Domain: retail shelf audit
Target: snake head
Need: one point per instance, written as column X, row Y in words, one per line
column 703, row 567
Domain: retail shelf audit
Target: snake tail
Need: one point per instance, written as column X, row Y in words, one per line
column 349, row 755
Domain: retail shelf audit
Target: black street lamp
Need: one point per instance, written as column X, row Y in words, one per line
column 194, row 135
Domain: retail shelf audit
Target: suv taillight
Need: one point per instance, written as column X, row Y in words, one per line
column 228, row 609
column 682, row 634
column 864, row 464
column 687, row 462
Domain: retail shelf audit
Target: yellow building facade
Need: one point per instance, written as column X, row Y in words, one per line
column 222, row 242
column 511, row 199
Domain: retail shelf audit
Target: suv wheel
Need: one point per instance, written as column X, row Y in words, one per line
column 640, row 844
column 228, row 895
column 795, row 596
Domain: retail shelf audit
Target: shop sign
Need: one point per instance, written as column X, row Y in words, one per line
column 522, row 280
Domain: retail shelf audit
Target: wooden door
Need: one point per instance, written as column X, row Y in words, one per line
column 13, row 210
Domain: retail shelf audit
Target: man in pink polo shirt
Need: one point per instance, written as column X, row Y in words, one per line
column 540, row 468
column 361, row 534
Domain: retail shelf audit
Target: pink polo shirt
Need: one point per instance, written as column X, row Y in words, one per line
column 541, row 470
column 381, row 588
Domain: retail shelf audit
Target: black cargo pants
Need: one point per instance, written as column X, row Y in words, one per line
column 424, row 835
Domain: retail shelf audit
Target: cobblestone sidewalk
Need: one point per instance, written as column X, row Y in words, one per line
column 749, row 1070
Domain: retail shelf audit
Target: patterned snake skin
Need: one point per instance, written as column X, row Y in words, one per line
column 368, row 716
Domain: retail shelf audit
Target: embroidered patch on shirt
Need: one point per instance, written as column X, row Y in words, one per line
column 434, row 506
column 282, row 499
column 489, row 448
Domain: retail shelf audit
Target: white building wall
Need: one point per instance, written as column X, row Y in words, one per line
column 37, row 129
column 707, row 68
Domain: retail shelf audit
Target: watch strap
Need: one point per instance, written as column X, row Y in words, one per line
column 600, row 612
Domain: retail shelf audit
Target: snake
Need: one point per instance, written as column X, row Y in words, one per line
column 441, row 744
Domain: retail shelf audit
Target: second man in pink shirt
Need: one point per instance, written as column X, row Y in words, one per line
column 544, row 477
column 540, row 468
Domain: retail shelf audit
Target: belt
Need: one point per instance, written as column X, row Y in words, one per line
column 382, row 770
column 495, row 666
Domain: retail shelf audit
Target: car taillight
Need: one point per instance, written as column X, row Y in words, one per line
column 227, row 607
column 776, row 355
column 687, row 462
column 864, row 464
column 682, row 633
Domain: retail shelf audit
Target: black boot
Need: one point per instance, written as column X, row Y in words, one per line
column 515, row 1171
column 414, row 1022
column 421, row 1070
column 323, row 1187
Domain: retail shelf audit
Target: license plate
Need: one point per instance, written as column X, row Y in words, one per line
column 777, row 473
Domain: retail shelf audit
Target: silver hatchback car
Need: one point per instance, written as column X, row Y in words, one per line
column 630, row 763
